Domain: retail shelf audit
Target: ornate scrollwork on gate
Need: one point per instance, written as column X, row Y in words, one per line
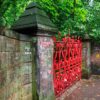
column 66, row 63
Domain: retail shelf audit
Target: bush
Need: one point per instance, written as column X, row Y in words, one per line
column 86, row 72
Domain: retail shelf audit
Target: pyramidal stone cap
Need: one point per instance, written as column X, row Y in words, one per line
column 34, row 19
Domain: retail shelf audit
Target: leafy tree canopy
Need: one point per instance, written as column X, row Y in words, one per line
column 10, row 10
column 59, row 11
column 66, row 14
column 80, row 16
column 92, row 25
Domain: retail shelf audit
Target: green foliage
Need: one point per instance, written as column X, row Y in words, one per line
column 93, row 21
column 66, row 14
column 10, row 10
column 96, row 21
column 76, row 15
column 86, row 72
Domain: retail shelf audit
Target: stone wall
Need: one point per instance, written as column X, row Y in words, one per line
column 86, row 59
column 15, row 66
column 86, row 54
column 95, row 58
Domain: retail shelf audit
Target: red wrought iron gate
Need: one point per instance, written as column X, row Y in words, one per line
column 67, row 63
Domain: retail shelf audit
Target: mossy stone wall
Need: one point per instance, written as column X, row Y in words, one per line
column 15, row 66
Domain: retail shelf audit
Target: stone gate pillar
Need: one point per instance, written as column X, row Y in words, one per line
column 86, row 57
column 43, row 47
column 34, row 21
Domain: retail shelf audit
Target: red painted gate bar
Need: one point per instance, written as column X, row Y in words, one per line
column 66, row 63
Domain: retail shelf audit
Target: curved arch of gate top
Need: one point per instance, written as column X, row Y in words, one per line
column 66, row 63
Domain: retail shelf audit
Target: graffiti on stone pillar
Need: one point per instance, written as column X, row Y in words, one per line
column 44, row 68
